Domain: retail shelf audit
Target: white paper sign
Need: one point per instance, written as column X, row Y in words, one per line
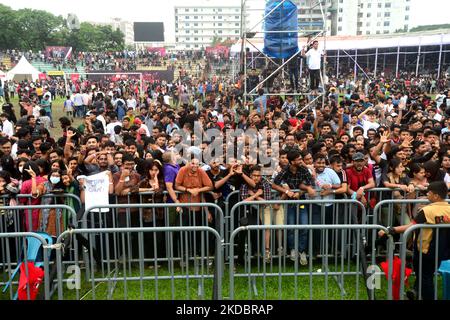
column 97, row 191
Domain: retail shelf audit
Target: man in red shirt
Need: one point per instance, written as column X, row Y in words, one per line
column 360, row 179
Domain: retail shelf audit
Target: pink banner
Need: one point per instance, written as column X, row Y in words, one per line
column 160, row 50
column 218, row 50
column 42, row 76
column 58, row 52
column 74, row 77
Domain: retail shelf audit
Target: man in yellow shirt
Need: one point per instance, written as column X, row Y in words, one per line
column 438, row 212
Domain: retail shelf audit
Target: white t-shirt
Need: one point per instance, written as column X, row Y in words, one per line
column 314, row 59
column 110, row 128
column 369, row 125
column 8, row 129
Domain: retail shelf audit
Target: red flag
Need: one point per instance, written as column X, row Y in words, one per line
column 31, row 283
column 397, row 267
column 74, row 77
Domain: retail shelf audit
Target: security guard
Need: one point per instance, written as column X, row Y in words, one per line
column 438, row 212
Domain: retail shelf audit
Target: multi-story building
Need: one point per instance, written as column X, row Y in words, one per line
column 197, row 27
column 125, row 26
column 367, row 17
column 314, row 17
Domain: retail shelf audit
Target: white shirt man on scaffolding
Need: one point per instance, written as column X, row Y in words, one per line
column 314, row 60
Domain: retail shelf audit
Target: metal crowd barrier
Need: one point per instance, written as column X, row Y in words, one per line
column 279, row 276
column 305, row 212
column 9, row 263
column 19, row 218
column 120, row 275
column 425, row 266
column 94, row 219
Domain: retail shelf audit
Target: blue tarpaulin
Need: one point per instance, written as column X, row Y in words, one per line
column 282, row 45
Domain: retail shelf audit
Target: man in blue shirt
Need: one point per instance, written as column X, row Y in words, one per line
column 260, row 103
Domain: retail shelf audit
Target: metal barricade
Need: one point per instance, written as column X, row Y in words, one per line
column 9, row 264
column 285, row 279
column 398, row 213
column 425, row 264
column 19, row 218
column 110, row 245
column 299, row 212
column 160, row 278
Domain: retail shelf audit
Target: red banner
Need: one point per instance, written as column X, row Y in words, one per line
column 219, row 51
column 74, row 77
column 42, row 76
column 58, row 52
column 160, row 50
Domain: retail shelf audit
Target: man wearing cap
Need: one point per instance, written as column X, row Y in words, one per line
column 425, row 261
column 360, row 178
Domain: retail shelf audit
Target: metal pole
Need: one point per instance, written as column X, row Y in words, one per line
column 418, row 57
column 398, row 60
column 356, row 62
column 376, row 63
column 440, row 57
column 337, row 65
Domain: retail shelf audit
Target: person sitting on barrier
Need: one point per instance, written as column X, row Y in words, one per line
column 294, row 177
column 431, row 247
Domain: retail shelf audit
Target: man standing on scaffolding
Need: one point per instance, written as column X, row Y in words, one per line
column 313, row 59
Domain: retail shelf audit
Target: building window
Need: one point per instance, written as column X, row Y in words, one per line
column 367, row 32
column 196, row 24
column 379, row 14
column 378, row 32
column 188, row 39
column 186, row 10
column 220, row 24
column 368, row 15
column 362, row 4
column 236, row 24
column 176, row 39
column 406, row 17
column 236, row 17
column 195, row 10
column 220, row 31
column 360, row 15
column 186, row 17
column 188, row 46
column 368, row 24
column 359, row 33
column 195, row 17
column 380, row 5
column 369, row 5
column 340, row 19
column 195, row 31
column 186, row 24
column 386, row 23
column 195, row 39
column 407, row 8
column 220, row 17
column 220, row 10
column 378, row 24
column 387, row 5
column 236, row 31
column 339, row 28
column 341, row 10
column 387, row 14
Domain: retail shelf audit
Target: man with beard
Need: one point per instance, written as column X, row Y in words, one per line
column 360, row 179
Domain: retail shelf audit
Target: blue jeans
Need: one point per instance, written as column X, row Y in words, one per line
column 297, row 216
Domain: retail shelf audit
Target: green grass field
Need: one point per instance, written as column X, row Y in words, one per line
column 275, row 287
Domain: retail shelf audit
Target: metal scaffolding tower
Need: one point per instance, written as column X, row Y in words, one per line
column 250, row 33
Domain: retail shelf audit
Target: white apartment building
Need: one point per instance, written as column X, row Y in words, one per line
column 196, row 27
column 310, row 16
column 126, row 27
column 369, row 17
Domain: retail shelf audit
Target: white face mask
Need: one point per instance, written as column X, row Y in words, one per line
column 21, row 169
column 55, row 180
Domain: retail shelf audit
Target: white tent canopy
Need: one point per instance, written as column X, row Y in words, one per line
column 23, row 71
column 2, row 74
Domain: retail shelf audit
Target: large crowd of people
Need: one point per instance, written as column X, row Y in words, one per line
column 388, row 133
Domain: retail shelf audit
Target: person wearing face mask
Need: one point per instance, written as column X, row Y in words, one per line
column 51, row 220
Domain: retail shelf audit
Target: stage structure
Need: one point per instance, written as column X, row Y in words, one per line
column 280, row 30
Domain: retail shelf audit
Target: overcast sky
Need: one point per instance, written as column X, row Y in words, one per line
column 424, row 12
